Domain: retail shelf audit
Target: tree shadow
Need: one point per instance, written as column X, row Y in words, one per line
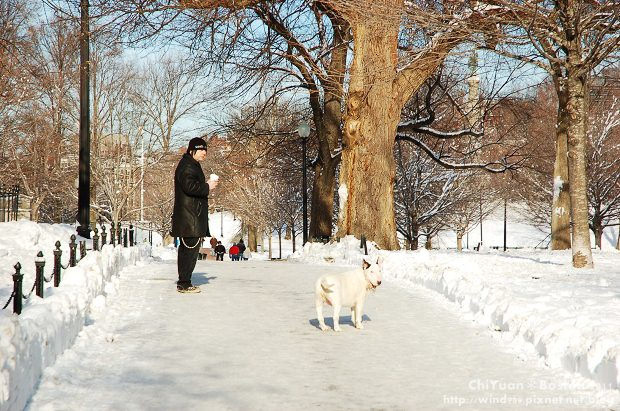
column 344, row 319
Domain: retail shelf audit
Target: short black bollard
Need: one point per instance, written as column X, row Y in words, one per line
column 119, row 233
column 131, row 236
column 104, row 236
column 96, row 240
column 125, row 237
column 72, row 249
column 57, row 264
column 363, row 244
column 82, row 249
column 112, row 234
column 39, row 263
column 18, row 277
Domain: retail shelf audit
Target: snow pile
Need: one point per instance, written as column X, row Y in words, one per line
column 32, row 341
column 534, row 298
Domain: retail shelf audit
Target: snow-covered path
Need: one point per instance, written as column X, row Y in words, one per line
column 250, row 341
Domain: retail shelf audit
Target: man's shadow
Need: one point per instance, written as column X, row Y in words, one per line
column 344, row 319
column 201, row 279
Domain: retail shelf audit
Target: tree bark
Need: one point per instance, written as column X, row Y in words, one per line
column 328, row 124
column 598, row 235
column 576, row 108
column 429, row 243
column 293, row 234
column 377, row 94
column 270, row 255
column 560, row 210
column 367, row 171
column 252, row 240
column 415, row 232
column 322, row 203
column 459, row 242
column 287, row 235
column 35, row 205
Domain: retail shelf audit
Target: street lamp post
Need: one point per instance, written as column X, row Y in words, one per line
column 84, row 160
column 304, row 132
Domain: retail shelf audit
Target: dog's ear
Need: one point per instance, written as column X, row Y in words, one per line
column 365, row 264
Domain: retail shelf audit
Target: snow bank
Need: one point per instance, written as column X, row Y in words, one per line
column 32, row 341
column 533, row 297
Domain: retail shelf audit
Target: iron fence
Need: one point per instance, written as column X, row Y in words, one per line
column 9, row 203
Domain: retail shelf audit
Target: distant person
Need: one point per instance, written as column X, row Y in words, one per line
column 190, row 216
column 213, row 243
column 220, row 250
column 234, row 252
column 241, row 249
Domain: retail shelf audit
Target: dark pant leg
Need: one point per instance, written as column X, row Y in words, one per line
column 186, row 260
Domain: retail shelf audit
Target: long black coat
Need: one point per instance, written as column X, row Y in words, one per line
column 190, row 216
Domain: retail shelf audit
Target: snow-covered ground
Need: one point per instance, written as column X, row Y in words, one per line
column 533, row 299
column 250, row 341
column 519, row 233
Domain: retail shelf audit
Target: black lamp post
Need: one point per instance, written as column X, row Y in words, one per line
column 304, row 132
column 84, row 160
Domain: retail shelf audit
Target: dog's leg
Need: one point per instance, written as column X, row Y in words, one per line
column 319, row 312
column 336, row 318
column 359, row 310
column 353, row 314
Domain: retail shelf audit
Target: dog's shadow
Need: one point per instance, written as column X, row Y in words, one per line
column 344, row 319
column 201, row 279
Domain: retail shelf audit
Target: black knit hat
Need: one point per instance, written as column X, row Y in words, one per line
column 196, row 143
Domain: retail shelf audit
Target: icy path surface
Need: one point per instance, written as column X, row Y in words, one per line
column 250, row 341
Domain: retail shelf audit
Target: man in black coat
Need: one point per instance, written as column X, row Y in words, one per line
column 241, row 249
column 190, row 216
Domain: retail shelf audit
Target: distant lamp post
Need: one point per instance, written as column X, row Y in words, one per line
column 304, row 132
column 221, row 224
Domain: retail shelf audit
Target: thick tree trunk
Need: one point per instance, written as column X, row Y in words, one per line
column 287, row 235
column 322, row 205
column 415, row 236
column 459, row 242
column 328, row 124
column 270, row 255
column 367, row 171
column 429, row 243
column 252, row 238
column 576, row 108
column 35, row 205
column 598, row 235
column 560, row 211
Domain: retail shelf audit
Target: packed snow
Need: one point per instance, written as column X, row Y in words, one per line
column 533, row 299
column 250, row 340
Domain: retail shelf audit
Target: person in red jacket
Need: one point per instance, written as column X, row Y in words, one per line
column 234, row 252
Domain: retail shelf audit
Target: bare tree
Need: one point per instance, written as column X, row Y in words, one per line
column 286, row 45
column 568, row 40
column 604, row 166
column 171, row 93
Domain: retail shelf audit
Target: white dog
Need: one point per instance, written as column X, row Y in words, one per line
column 347, row 289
